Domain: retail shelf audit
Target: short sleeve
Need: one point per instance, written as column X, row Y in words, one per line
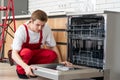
column 48, row 36
column 19, row 38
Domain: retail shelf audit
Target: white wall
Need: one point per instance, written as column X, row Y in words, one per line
column 113, row 5
column 54, row 6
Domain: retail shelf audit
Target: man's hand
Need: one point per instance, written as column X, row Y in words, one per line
column 28, row 70
column 66, row 63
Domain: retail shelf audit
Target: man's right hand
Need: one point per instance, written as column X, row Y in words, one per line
column 28, row 70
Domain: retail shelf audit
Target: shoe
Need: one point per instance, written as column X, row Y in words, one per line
column 22, row 76
column 33, row 76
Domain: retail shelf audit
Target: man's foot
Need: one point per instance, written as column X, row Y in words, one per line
column 22, row 76
column 33, row 76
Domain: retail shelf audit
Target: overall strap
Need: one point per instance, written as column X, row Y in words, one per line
column 28, row 38
column 41, row 37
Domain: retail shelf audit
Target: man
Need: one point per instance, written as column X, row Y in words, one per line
column 27, row 45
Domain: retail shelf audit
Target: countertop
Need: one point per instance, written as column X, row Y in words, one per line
column 61, row 13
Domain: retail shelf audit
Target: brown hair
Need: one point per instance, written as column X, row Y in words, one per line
column 39, row 14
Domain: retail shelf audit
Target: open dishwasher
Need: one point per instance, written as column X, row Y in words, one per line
column 86, row 50
column 86, row 41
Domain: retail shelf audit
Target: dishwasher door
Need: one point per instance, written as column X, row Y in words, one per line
column 76, row 72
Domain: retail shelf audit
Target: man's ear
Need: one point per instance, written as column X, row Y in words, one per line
column 31, row 21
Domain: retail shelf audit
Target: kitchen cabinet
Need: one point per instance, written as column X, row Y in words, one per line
column 58, row 26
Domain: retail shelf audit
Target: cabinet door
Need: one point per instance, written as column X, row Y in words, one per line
column 76, row 72
column 57, row 22
column 58, row 26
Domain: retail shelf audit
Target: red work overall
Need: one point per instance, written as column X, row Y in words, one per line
column 32, row 54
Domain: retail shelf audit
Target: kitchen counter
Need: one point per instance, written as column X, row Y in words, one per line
column 59, row 13
column 52, row 14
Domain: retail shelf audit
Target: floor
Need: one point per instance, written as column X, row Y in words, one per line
column 7, row 72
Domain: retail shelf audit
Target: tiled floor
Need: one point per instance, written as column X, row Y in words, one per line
column 7, row 72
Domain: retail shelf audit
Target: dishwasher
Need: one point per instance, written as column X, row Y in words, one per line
column 86, row 39
column 85, row 49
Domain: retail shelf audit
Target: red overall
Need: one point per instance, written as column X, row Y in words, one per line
column 32, row 54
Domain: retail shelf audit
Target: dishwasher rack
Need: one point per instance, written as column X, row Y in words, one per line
column 86, row 35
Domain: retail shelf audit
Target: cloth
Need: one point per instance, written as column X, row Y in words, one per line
column 32, row 54
column 21, row 37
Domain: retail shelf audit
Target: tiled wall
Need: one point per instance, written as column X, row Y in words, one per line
column 54, row 6
column 108, row 5
column 51, row 6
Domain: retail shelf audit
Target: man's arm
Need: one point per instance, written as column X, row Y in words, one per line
column 16, row 57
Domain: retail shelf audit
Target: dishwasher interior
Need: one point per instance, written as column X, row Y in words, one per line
column 86, row 36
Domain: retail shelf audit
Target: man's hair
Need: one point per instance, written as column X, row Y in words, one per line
column 39, row 14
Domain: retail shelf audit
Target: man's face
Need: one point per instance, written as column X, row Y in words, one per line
column 37, row 25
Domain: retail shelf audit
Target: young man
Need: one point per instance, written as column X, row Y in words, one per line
column 27, row 45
